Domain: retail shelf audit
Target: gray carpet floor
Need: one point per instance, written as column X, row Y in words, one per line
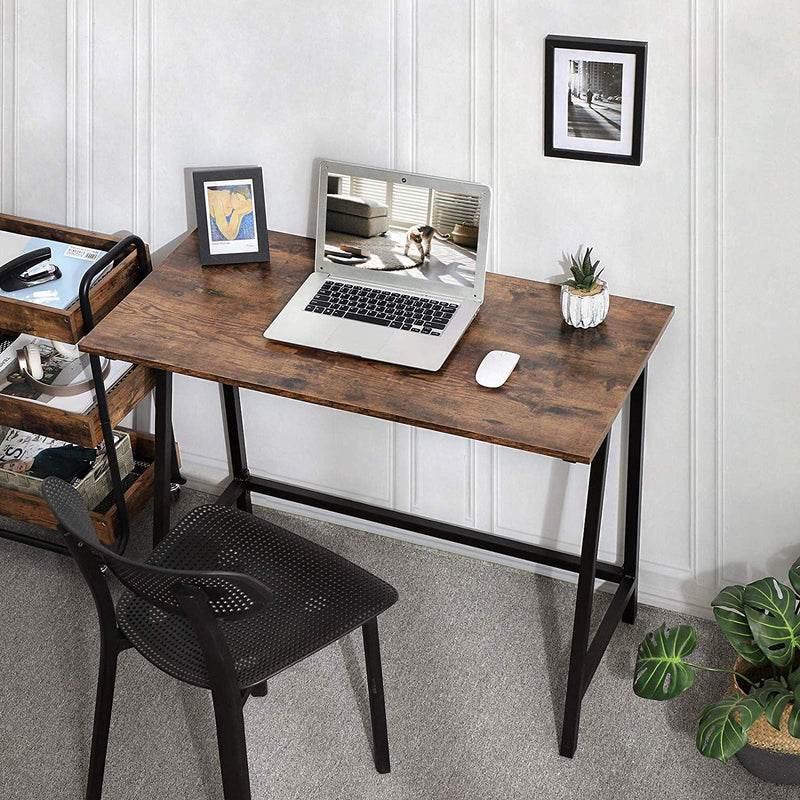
column 474, row 664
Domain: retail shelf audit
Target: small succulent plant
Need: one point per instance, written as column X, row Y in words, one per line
column 584, row 273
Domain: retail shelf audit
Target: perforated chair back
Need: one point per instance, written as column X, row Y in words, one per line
column 231, row 595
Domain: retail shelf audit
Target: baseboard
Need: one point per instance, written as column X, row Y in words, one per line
column 206, row 478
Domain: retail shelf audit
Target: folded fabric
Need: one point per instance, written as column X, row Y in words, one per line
column 68, row 462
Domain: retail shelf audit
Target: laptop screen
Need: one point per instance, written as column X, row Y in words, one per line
column 391, row 224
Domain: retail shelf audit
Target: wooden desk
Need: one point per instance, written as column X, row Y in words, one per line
column 561, row 400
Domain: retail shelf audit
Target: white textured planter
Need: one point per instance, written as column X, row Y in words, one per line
column 584, row 310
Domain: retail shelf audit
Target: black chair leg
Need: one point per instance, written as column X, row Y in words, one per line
column 232, row 745
column 377, row 706
column 259, row 690
column 104, row 701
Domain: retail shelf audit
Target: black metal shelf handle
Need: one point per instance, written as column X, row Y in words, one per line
column 86, row 282
column 91, row 273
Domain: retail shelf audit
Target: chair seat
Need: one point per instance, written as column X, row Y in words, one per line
column 318, row 597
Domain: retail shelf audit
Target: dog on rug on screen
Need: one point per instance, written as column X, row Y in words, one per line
column 422, row 236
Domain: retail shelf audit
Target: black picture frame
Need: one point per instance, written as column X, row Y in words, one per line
column 214, row 225
column 626, row 113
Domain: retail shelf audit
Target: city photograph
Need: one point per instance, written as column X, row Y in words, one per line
column 594, row 100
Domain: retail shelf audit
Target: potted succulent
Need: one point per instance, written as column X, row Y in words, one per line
column 758, row 719
column 584, row 297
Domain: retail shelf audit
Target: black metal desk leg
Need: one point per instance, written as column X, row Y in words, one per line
column 583, row 604
column 165, row 449
column 237, row 455
column 633, row 492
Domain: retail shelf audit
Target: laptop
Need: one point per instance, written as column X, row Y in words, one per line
column 399, row 267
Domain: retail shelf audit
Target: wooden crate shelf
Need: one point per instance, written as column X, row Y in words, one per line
column 35, row 510
column 66, row 325
column 83, row 429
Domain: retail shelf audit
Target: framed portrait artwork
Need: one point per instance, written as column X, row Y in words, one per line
column 594, row 99
column 231, row 215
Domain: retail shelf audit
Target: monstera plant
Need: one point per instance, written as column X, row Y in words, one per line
column 762, row 623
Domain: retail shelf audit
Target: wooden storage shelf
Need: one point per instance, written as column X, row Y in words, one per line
column 83, row 429
column 66, row 325
column 35, row 510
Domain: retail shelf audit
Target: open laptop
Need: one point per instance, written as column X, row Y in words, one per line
column 399, row 268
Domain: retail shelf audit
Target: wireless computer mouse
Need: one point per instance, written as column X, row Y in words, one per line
column 495, row 368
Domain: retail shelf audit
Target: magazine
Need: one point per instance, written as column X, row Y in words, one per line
column 32, row 455
column 58, row 371
column 21, row 446
column 19, row 449
column 8, row 352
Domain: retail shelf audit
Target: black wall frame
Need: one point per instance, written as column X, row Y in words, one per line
column 639, row 50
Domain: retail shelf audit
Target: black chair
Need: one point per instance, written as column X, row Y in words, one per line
column 225, row 602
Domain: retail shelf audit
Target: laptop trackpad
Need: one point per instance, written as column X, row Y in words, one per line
column 359, row 338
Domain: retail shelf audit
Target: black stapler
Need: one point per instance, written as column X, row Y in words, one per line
column 27, row 270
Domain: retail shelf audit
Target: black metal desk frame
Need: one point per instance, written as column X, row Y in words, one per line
column 585, row 654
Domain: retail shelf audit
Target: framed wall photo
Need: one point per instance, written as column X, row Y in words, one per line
column 231, row 215
column 594, row 99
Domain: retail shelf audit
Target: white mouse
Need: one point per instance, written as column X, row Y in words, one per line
column 495, row 368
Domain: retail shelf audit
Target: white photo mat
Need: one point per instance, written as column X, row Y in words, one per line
column 561, row 78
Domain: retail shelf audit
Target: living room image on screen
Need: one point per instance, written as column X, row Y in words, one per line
column 425, row 233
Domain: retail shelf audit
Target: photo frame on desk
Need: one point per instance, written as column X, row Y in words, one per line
column 594, row 99
column 231, row 215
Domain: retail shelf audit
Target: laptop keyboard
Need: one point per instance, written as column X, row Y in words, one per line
column 379, row 307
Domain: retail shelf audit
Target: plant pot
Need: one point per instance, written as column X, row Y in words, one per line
column 774, row 767
column 770, row 754
column 584, row 310
column 465, row 235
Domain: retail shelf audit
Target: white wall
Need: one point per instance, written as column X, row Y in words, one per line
column 104, row 105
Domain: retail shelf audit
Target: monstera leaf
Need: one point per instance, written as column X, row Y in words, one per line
column 793, row 723
column 769, row 606
column 794, row 576
column 730, row 614
column 722, row 729
column 660, row 673
column 775, row 695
